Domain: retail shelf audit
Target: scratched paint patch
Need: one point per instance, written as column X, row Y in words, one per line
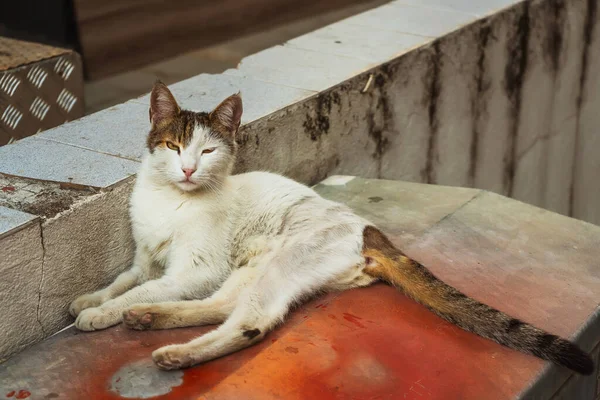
column 142, row 380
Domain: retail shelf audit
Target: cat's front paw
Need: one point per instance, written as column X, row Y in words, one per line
column 172, row 357
column 93, row 319
column 85, row 301
column 138, row 317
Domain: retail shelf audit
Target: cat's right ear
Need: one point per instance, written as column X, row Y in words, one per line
column 163, row 107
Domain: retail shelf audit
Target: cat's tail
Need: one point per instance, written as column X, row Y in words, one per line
column 384, row 261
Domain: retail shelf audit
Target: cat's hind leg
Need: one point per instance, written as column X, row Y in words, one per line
column 212, row 310
column 293, row 273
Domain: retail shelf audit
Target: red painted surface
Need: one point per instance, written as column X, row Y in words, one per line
column 371, row 343
column 8, row 189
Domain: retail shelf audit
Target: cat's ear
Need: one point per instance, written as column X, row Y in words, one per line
column 228, row 114
column 163, row 106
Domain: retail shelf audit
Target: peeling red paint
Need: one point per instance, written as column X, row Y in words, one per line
column 403, row 353
column 10, row 394
column 23, row 394
column 353, row 319
column 7, row 189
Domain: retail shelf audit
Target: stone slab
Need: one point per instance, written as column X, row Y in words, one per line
column 120, row 131
column 479, row 7
column 85, row 249
column 403, row 209
column 422, row 21
column 205, row 91
column 21, row 268
column 299, row 68
column 372, row 342
column 11, row 220
column 586, row 185
column 46, row 160
column 370, row 44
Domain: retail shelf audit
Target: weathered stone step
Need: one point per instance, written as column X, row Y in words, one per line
column 374, row 343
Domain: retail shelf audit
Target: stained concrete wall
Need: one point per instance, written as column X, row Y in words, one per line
column 500, row 95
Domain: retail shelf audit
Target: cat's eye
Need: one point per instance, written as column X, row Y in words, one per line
column 172, row 146
column 209, row 150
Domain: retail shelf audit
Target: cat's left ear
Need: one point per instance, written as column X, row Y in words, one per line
column 163, row 107
column 228, row 114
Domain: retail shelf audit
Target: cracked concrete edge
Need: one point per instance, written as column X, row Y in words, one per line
column 39, row 321
column 22, row 255
column 33, row 308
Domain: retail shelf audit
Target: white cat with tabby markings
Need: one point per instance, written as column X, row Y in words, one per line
column 212, row 248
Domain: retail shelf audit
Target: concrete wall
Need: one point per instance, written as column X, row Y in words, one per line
column 501, row 95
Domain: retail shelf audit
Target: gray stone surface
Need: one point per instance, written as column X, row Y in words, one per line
column 142, row 380
column 586, row 185
column 11, row 220
column 85, row 249
column 120, row 131
column 479, row 7
column 495, row 103
column 370, row 44
column 299, row 68
column 404, row 210
column 536, row 106
column 46, row 160
column 422, row 21
column 452, row 128
column 204, row 92
column 21, row 268
column 561, row 137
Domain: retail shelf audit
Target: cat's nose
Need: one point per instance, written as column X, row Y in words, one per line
column 188, row 171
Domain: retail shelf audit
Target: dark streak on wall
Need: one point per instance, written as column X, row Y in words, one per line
column 516, row 65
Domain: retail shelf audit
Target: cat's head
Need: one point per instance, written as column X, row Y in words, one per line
column 192, row 150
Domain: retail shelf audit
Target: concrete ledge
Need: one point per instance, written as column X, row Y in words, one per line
column 440, row 91
column 21, row 252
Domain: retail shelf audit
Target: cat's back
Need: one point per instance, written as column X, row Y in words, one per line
column 267, row 202
column 269, row 186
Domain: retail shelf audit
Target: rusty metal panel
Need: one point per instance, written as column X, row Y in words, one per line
column 40, row 87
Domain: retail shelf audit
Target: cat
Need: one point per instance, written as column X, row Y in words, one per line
column 240, row 250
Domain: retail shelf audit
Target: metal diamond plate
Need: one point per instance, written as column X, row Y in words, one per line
column 39, row 108
column 66, row 100
column 38, row 95
column 9, row 83
column 64, row 68
column 37, row 76
column 11, row 117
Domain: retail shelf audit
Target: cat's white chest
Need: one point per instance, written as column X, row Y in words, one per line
column 166, row 222
column 155, row 222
